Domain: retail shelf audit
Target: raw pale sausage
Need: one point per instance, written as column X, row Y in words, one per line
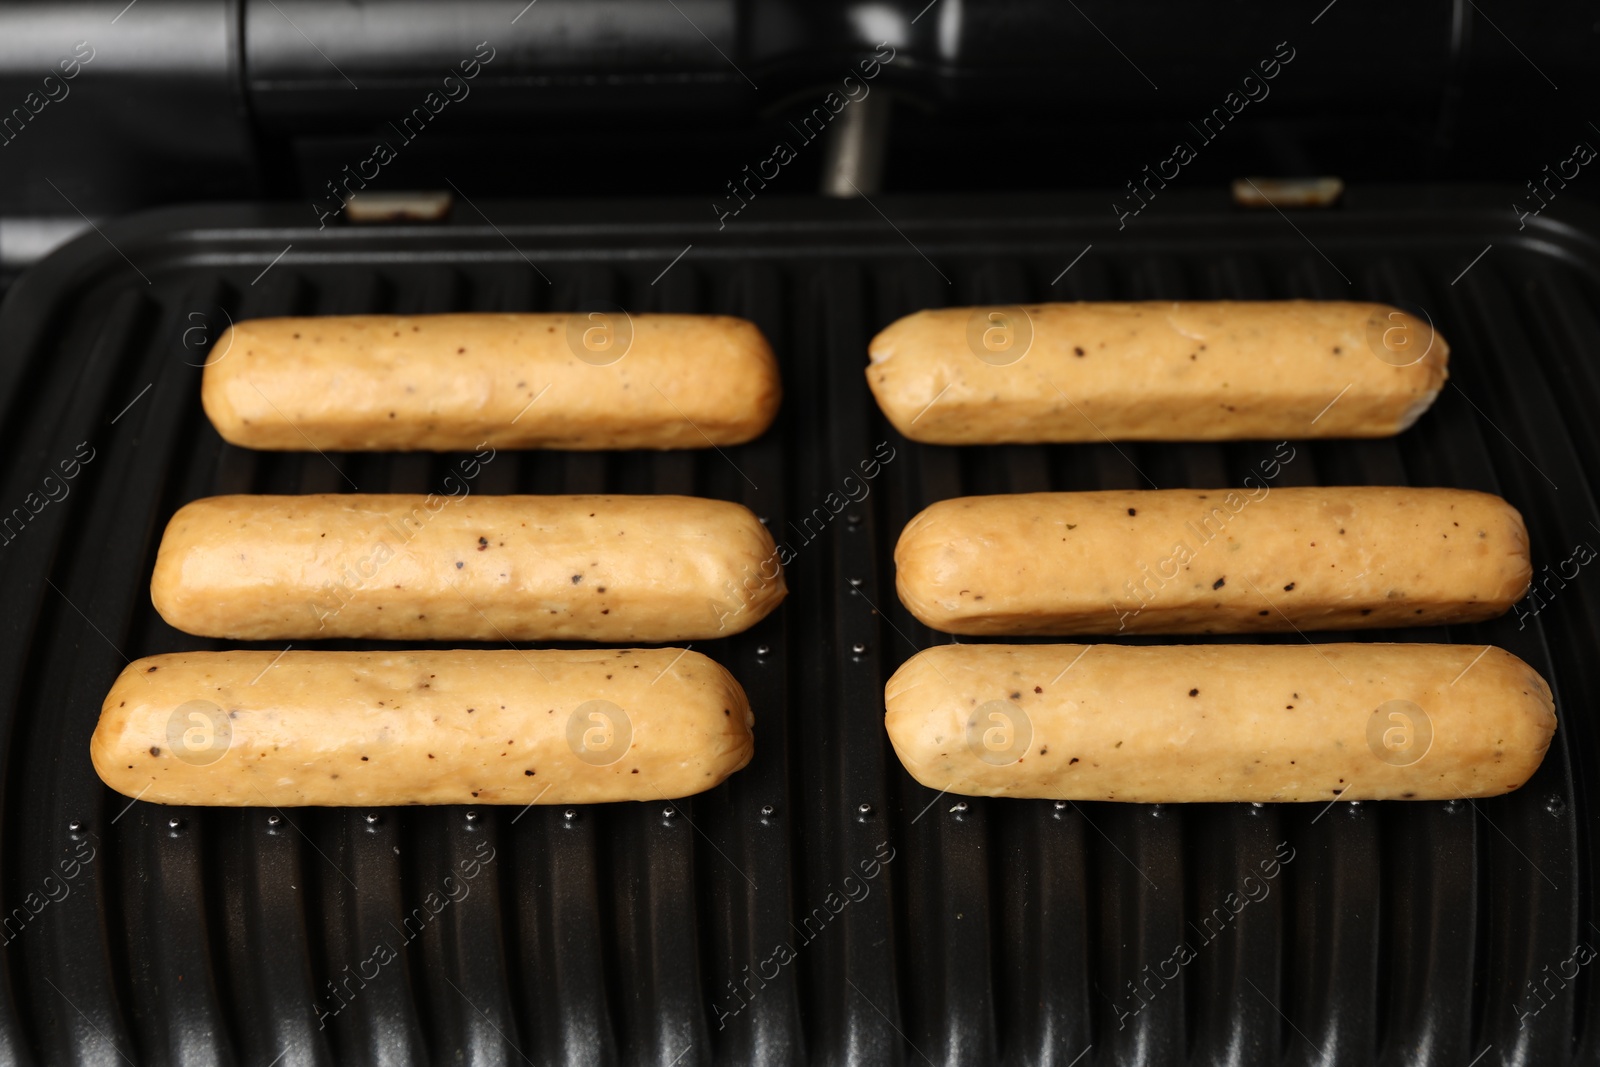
column 240, row 729
column 1156, row 371
column 1212, row 561
column 459, row 382
column 1169, row 724
column 479, row 568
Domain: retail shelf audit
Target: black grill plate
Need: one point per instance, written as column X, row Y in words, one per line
column 1011, row 932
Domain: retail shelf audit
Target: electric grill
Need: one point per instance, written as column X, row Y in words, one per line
column 820, row 907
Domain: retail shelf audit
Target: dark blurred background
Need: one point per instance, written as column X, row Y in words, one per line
column 106, row 108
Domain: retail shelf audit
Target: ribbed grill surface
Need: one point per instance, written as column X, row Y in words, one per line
column 1001, row 932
